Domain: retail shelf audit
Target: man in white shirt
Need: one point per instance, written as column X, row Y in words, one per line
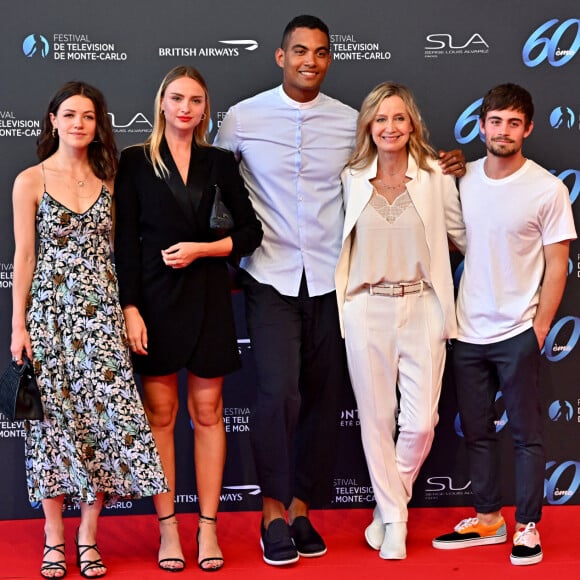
column 519, row 224
column 292, row 143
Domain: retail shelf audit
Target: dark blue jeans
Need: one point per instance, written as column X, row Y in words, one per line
column 511, row 366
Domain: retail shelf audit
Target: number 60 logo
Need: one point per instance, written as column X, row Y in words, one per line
column 548, row 47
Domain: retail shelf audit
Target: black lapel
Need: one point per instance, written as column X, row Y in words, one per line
column 187, row 196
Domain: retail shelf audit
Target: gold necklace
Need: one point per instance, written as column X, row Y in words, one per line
column 383, row 185
column 80, row 183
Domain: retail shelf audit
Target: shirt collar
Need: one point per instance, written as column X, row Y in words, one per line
column 296, row 104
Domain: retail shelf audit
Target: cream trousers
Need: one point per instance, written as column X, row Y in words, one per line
column 394, row 347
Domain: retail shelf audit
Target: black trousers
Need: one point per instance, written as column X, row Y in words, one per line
column 302, row 377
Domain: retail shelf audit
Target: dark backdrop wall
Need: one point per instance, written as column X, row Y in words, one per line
column 449, row 52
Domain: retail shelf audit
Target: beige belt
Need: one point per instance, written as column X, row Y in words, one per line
column 396, row 290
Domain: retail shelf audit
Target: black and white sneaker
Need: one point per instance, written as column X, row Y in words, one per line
column 277, row 544
column 527, row 548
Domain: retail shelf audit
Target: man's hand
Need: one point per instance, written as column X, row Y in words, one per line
column 452, row 162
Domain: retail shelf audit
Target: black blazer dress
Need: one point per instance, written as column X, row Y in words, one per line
column 188, row 311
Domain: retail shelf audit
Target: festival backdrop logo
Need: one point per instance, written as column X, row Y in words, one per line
column 229, row 48
column 445, row 44
column 349, row 418
column 138, row 123
column 552, row 41
column 561, row 411
column 13, row 126
column 239, row 493
column 347, row 491
column 344, row 46
column 11, row 429
column 230, row 494
column 6, row 275
column 236, row 419
column 71, row 46
column 35, row 46
column 562, row 481
column 562, row 117
column 438, row 486
column 467, row 125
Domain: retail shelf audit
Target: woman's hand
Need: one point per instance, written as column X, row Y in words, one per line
column 20, row 343
column 136, row 330
column 182, row 254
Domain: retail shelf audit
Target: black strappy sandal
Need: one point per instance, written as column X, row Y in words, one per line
column 178, row 560
column 86, row 565
column 205, row 520
column 59, row 565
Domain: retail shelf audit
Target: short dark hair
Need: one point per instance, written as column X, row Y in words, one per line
column 304, row 21
column 508, row 96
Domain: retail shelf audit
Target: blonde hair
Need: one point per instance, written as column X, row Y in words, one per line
column 153, row 142
column 366, row 150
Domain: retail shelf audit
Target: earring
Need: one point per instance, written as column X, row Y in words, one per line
column 53, row 132
column 203, row 116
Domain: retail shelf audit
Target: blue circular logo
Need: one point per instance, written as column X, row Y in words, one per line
column 561, row 411
column 35, row 45
column 562, row 118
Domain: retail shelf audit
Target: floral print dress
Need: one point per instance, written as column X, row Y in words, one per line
column 94, row 437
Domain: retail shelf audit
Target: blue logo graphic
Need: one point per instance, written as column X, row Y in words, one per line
column 35, row 505
column 561, row 411
column 570, row 266
column 562, row 118
column 467, row 126
column 542, row 45
column 569, row 473
column 35, row 45
column 499, row 423
column 556, row 352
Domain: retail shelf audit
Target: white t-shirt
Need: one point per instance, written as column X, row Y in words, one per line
column 508, row 222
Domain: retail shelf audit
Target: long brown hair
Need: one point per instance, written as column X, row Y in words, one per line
column 103, row 150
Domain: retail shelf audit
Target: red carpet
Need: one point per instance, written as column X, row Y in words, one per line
column 129, row 547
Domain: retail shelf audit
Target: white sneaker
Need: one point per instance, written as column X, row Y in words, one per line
column 375, row 532
column 527, row 548
column 394, row 545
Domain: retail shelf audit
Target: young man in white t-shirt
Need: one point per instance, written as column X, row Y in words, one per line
column 519, row 224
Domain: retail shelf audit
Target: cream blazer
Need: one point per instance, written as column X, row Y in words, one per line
column 436, row 200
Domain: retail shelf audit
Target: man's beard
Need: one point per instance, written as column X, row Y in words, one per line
column 504, row 150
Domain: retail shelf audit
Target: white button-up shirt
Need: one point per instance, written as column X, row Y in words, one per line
column 291, row 155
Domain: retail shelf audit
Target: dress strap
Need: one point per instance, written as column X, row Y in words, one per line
column 43, row 177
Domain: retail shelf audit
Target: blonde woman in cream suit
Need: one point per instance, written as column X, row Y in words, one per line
column 395, row 295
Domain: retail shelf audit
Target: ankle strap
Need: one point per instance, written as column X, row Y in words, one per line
column 166, row 517
column 206, row 520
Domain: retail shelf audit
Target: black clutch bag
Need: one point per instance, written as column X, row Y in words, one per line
column 220, row 219
column 19, row 394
